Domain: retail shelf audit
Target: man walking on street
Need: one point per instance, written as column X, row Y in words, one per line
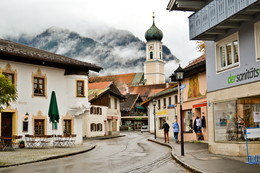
column 166, row 128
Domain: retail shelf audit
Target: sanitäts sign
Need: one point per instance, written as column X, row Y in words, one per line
column 248, row 74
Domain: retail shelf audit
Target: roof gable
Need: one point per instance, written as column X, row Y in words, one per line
column 21, row 53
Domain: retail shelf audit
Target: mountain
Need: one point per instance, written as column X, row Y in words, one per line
column 117, row 51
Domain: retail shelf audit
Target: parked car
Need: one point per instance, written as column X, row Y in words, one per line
column 144, row 129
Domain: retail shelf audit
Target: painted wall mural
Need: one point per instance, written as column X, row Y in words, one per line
column 194, row 87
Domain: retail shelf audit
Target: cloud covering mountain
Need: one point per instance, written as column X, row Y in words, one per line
column 116, row 51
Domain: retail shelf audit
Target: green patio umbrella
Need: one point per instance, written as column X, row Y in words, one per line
column 53, row 110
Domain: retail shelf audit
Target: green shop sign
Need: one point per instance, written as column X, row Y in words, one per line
column 248, row 74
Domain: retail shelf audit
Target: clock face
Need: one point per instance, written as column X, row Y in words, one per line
column 150, row 47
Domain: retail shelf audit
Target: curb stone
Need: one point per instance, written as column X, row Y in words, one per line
column 50, row 158
column 177, row 159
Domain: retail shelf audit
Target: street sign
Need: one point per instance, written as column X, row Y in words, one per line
column 182, row 86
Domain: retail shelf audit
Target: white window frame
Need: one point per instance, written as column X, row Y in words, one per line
column 224, row 43
column 257, row 40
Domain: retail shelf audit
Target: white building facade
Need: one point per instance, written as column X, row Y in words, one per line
column 37, row 73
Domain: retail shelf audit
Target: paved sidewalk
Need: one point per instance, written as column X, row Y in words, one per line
column 27, row 155
column 197, row 159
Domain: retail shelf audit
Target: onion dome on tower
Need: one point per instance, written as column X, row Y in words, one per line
column 153, row 33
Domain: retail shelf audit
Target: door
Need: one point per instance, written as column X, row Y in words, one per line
column 6, row 125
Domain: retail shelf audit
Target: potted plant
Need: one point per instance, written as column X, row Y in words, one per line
column 21, row 144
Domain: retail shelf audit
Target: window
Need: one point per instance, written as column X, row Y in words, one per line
column 151, row 55
column 115, row 103
column 9, row 76
column 233, row 117
column 170, row 100
column 187, row 121
column 38, row 127
column 93, row 127
column 25, row 126
column 161, row 121
column 38, row 86
column 80, row 88
column 159, row 104
column 67, row 127
column 227, row 53
column 257, row 40
column 109, row 102
column 164, row 102
column 99, row 127
column 176, row 99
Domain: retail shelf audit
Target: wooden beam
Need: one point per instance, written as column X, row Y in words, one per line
column 228, row 25
column 242, row 18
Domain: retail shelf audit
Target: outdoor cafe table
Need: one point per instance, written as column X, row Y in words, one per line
column 9, row 143
column 64, row 141
column 38, row 141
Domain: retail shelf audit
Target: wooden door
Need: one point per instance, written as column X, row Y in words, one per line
column 6, row 125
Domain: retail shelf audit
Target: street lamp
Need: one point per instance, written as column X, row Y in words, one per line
column 179, row 75
column 154, row 104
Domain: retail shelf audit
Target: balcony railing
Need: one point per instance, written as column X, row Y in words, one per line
column 214, row 13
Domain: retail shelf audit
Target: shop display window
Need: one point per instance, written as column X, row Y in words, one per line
column 233, row 117
column 187, row 121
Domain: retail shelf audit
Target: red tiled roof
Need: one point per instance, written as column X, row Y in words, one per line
column 122, row 78
column 146, row 90
column 197, row 60
column 99, row 85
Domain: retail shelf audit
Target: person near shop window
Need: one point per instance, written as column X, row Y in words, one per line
column 197, row 125
column 166, row 128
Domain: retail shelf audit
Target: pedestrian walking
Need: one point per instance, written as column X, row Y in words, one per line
column 175, row 127
column 166, row 128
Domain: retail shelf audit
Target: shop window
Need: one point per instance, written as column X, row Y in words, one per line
column 232, row 118
column 188, row 121
column 93, row 127
column 257, row 40
column 80, row 88
column 227, row 53
column 67, row 127
column 25, row 126
column 38, row 127
column 161, row 121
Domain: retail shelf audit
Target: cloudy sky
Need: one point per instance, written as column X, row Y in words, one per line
column 84, row 16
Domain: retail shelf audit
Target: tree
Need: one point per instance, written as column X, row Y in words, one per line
column 8, row 92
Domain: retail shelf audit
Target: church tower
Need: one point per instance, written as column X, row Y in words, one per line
column 154, row 64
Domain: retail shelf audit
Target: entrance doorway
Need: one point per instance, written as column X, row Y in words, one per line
column 6, row 124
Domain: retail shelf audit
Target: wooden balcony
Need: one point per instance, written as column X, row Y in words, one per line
column 218, row 16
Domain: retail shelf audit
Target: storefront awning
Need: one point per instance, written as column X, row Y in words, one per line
column 201, row 104
column 139, row 107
